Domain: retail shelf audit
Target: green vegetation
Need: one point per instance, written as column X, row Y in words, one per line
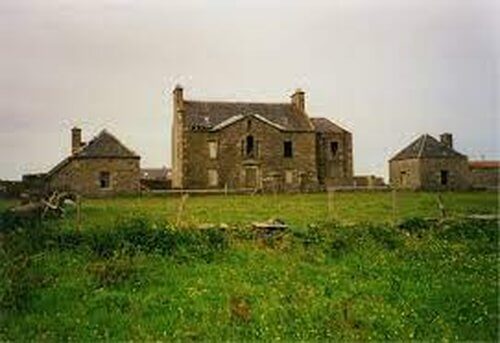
column 347, row 273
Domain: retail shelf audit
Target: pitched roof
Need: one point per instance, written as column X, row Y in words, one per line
column 326, row 125
column 104, row 145
column 156, row 173
column 210, row 114
column 426, row 146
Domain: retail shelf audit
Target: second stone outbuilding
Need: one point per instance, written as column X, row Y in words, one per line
column 429, row 164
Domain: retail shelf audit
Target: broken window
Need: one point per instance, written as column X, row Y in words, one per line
column 334, row 147
column 249, row 148
column 444, row 177
column 104, row 180
column 212, row 149
column 213, row 177
column 288, row 149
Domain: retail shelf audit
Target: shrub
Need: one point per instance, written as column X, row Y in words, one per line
column 414, row 225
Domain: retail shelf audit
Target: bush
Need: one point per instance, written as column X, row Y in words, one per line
column 414, row 225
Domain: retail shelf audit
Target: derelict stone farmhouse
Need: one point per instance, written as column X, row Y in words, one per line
column 429, row 164
column 102, row 167
column 256, row 145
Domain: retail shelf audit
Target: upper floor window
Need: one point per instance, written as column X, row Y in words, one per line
column 287, row 149
column 104, row 180
column 250, row 146
column 334, row 148
column 212, row 149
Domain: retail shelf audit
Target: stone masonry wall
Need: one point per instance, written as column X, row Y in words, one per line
column 411, row 178
column 334, row 170
column 82, row 176
column 425, row 174
column 458, row 173
column 269, row 163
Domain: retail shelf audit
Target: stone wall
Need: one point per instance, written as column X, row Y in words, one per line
column 266, row 168
column 485, row 178
column 425, row 174
column 405, row 174
column 82, row 176
column 457, row 169
column 334, row 169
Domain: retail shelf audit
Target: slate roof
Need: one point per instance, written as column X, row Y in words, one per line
column 426, row 146
column 325, row 125
column 209, row 114
column 156, row 173
column 104, row 145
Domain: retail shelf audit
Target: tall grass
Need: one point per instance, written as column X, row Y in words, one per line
column 143, row 279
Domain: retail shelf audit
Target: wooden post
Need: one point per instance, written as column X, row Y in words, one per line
column 394, row 207
column 78, row 213
column 442, row 209
column 331, row 202
column 181, row 209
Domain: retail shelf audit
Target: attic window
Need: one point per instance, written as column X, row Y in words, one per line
column 104, row 180
column 249, row 125
column 334, row 148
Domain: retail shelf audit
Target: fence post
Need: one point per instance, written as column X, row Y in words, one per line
column 78, row 213
column 331, row 203
column 394, row 207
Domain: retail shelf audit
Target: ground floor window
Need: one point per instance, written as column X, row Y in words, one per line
column 288, row 176
column 213, row 177
column 444, row 177
column 104, row 180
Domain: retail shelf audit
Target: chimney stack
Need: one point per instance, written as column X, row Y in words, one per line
column 178, row 98
column 76, row 140
column 298, row 99
column 447, row 139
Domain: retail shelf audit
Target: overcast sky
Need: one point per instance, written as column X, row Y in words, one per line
column 386, row 70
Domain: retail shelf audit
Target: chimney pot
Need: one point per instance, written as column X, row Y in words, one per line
column 76, row 140
column 178, row 98
column 298, row 99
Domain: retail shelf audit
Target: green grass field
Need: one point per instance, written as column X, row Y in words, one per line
column 343, row 271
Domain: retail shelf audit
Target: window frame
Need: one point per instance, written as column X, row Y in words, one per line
column 104, row 176
column 213, row 149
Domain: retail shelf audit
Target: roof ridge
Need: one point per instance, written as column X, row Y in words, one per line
column 237, row 102
column 422, row 145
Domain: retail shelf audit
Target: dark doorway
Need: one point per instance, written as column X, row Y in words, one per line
column 444, row 177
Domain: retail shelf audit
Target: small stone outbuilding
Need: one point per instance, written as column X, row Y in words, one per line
column 429, row 164
column 102, row 167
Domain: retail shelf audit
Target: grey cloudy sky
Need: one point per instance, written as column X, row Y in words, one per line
column 387, row 70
